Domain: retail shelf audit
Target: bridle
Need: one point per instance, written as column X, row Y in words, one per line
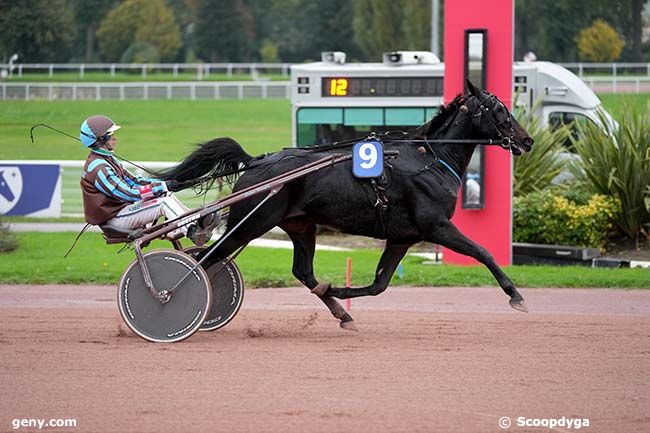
column 507, row 141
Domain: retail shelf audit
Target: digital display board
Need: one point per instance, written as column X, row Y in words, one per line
column 368, row 87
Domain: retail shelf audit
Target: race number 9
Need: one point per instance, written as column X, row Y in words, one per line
column 367, row 159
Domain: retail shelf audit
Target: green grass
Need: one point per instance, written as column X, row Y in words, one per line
column 164, row 130
column 614, row 102
column 94, row 262
column 135, row 76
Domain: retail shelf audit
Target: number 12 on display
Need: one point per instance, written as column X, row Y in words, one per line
column 368, row 159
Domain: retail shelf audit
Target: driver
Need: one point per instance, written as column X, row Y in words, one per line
column 113, row 195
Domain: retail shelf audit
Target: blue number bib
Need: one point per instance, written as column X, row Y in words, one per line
column 368, row 159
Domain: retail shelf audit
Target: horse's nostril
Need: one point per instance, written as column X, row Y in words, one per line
column 528, row 141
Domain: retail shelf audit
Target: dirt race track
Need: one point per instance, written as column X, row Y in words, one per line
column 425, row 360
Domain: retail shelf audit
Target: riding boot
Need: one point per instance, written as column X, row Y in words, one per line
column 201, row 232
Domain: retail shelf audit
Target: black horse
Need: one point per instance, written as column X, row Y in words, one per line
column 414, row 202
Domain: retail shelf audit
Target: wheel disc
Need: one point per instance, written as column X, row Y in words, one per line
column 187, row 307
column 227, row 292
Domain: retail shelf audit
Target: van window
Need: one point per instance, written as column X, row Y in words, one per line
column 320, row 126
column 558, row 118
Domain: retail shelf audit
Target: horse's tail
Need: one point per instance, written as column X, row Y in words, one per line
column 217, row 157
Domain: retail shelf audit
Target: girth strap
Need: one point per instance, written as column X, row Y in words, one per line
column 379, row 185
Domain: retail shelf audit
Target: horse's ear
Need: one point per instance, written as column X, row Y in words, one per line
column 471, row 88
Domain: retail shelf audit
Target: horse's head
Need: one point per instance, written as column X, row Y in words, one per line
column 491, row 119
column 5, row 191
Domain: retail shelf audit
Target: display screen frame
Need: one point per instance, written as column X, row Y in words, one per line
column 476, row 57
column 380, row 87
column 476, row 45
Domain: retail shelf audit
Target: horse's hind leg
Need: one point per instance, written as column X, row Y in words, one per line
column 390, row 258
column 447, row 235
column 303, row 236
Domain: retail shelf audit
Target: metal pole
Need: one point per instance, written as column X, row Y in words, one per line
column 435, row 19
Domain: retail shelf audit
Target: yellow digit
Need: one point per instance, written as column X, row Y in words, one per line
column 333, row 87
column 341, row 87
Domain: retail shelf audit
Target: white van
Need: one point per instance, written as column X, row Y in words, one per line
column 333, row 100
column 564, row 97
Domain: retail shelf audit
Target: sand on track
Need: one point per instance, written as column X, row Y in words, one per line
column 425, row 360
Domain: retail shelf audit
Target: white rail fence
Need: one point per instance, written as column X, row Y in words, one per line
column 205, row 70
column 200, row 70
column 608, row 69
column 152, row 90
column 222, row 90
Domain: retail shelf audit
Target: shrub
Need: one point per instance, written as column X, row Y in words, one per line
column 599, row 43
column 618, row 165
column 549, row 217
column 535, row 170
column 140, row 52
column 8, row 242
column 131, row 21
column 269, row 51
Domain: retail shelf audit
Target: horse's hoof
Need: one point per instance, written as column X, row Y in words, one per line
column 519, row 304
column 349, row 326
column 320, row 289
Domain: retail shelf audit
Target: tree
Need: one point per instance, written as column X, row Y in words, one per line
column 378, row 26
column 599, row 43
column 269, row 52
column 548, row 27
column 332, row 29
column 302, row 29
column 185, row 14
column 637, row 32
column 224, row 31
column 416, row 25
column 88, row 15
column 38, row 30
column 133, row 21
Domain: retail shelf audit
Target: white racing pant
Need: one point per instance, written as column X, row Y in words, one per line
column 141, row 213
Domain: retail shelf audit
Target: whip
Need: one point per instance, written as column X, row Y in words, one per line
column 31, row 135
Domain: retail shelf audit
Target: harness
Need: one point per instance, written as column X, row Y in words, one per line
column 379, row 186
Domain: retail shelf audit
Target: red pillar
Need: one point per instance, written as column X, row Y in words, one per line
column 491, row 226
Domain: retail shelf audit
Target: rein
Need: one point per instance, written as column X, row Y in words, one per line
column 504, row 142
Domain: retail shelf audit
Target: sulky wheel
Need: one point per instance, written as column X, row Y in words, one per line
column 188, row 304
column 227, row 292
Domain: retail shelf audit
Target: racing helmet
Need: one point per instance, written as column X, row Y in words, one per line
column 96, row 128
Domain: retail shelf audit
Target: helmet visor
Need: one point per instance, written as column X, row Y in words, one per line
column 112, row 129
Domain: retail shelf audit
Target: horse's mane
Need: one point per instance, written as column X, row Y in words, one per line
column 439, row 120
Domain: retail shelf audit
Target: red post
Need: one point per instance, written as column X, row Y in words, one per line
column 492, row 226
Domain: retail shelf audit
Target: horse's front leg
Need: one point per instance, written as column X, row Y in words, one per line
column 392, row 255
column 447, row 235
